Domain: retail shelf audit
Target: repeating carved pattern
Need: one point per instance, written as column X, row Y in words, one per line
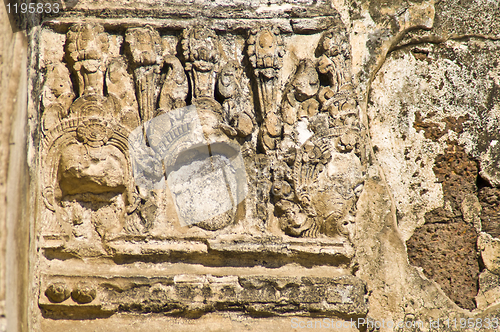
column 301, row 137
column 210, row 146
column 265, row 51
column 268, row 295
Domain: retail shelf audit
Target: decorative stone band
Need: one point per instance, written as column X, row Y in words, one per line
column 306, row 17
column 247, row 250
column 343, row 297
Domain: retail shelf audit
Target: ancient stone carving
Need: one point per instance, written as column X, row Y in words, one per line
column 317, row 187
column 335, row 63
column 238, row 115
column 89, row 186
column 325, row 186
column 57, row 292
column 87, row 181
column 261, row 176
column 307, row 133
column 83, row 293
column 144, row 47
column 57, row 95
column 177, row 140
column 208, row 158
column 299, row 102
column 201, row 54
column 182, row 294
column 221, row 153
column 265, row 51
column 120, row 85
column 86, row 52
column 175, row 86
column 335, row 48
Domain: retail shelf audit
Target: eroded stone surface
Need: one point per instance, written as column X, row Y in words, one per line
column 490, row 222
column 437, row 240
column 490, row 252
column 224, row 146
column 489, row 290
column 450, row 260
column 435, row 149
column 304, row 90
column 193, row 295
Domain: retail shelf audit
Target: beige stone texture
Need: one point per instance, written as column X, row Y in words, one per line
column 14, row 181
column 490, row 252
column 237, row 165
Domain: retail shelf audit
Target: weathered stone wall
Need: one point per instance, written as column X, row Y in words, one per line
column 438, row 89
column 362, row 139
column 14, row 192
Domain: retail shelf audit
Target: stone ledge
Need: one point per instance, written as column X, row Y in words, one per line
column 195, row 295
column 304, row 25
column 240, row 250
column 181, row 10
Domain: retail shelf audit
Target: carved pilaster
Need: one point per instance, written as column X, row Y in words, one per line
column 201, row 54
column 144, row 48
column 265, row 51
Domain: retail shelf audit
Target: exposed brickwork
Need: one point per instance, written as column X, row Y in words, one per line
column 445, row 247
column 447, row 253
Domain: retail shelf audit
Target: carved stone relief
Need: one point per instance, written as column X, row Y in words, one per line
column 178, row 146
column 251, row 162
column 305, row 138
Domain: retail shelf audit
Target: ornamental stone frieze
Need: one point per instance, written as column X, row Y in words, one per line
column 201, row 141
column 205, row 164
